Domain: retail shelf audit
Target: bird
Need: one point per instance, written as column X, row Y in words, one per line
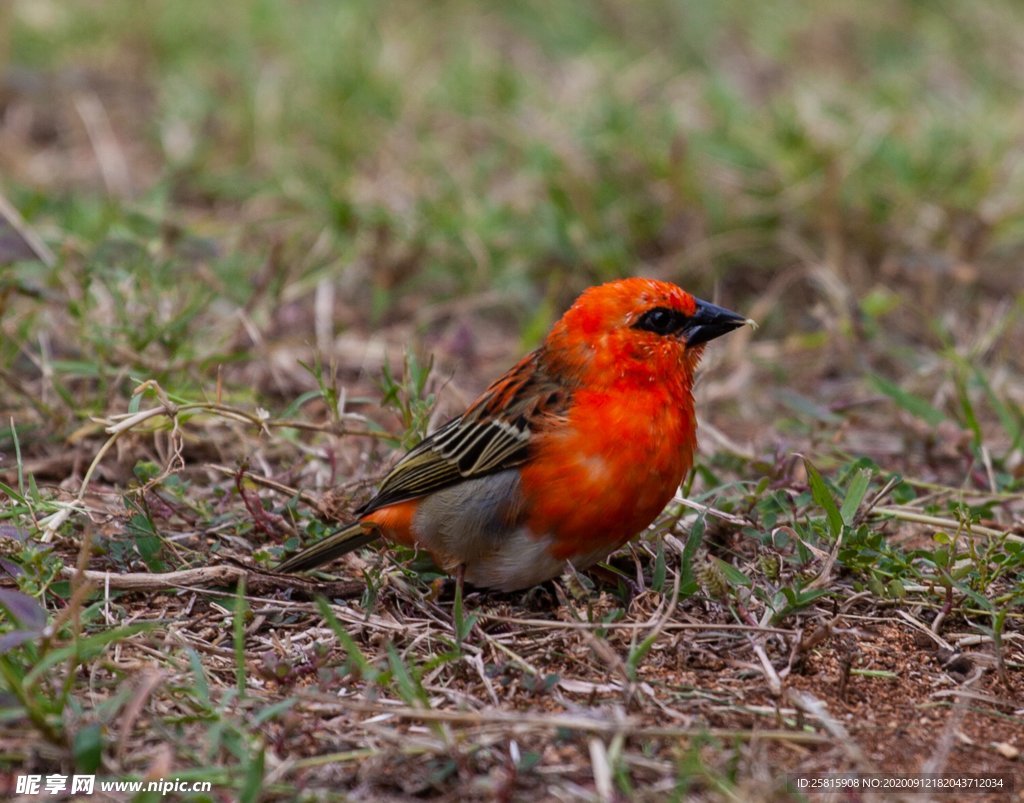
column 564, row 458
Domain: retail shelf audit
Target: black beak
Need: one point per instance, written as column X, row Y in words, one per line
column 709, row 322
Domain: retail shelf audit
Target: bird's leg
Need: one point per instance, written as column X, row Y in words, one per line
column 460, row 581
column 459, row 618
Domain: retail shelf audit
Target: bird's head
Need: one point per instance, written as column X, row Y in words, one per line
column 636, row 330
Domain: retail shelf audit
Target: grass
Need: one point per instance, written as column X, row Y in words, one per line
column 280, row 242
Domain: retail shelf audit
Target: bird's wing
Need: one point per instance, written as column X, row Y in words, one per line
column 494, row 434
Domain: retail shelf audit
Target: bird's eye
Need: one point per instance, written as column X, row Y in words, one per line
column 661, row 321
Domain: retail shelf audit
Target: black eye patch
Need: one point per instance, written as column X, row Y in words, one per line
column 662, row 321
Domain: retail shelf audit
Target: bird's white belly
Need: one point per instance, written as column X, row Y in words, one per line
column 480, row 524
column 521, row 561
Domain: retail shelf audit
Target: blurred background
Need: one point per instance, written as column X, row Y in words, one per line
column 248, row 184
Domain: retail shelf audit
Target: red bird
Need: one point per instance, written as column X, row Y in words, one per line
column 564, row 458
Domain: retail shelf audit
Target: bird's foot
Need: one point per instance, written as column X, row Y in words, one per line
column 466, row 626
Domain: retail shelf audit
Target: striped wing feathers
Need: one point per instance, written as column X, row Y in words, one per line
column 494, row 434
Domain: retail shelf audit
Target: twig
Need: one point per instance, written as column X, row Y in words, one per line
column 774, row 681
column 258, row 479
column 216, row 575
column 923, row 628
column 551, row 624
column 573, row 722
column 938, row 521
column 109, row 155
column 707, row 510
column 601, row 768
column 947, row 608
column 147, row 685
column 28, row 236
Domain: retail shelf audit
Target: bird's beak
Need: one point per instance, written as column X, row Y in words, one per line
column 709, row 322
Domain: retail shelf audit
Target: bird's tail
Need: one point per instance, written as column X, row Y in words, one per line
column 333, row 546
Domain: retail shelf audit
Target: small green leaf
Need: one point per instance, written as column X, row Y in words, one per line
column 637, row 655
column 271, row 711
column 658, row 577
column 202, row 685
column 970, row 417
column 733, row 575
column 88, row 748
column 238, row 634
column 823, row 496
column 807, row 408
column 1011, row 417
column 359, row 661
column 463, row 624
column 874, row 673
column 914, row 405
column 406, row 685
column 855, row 495
column 253, row 783
column 978, row 599
column 688, row 585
